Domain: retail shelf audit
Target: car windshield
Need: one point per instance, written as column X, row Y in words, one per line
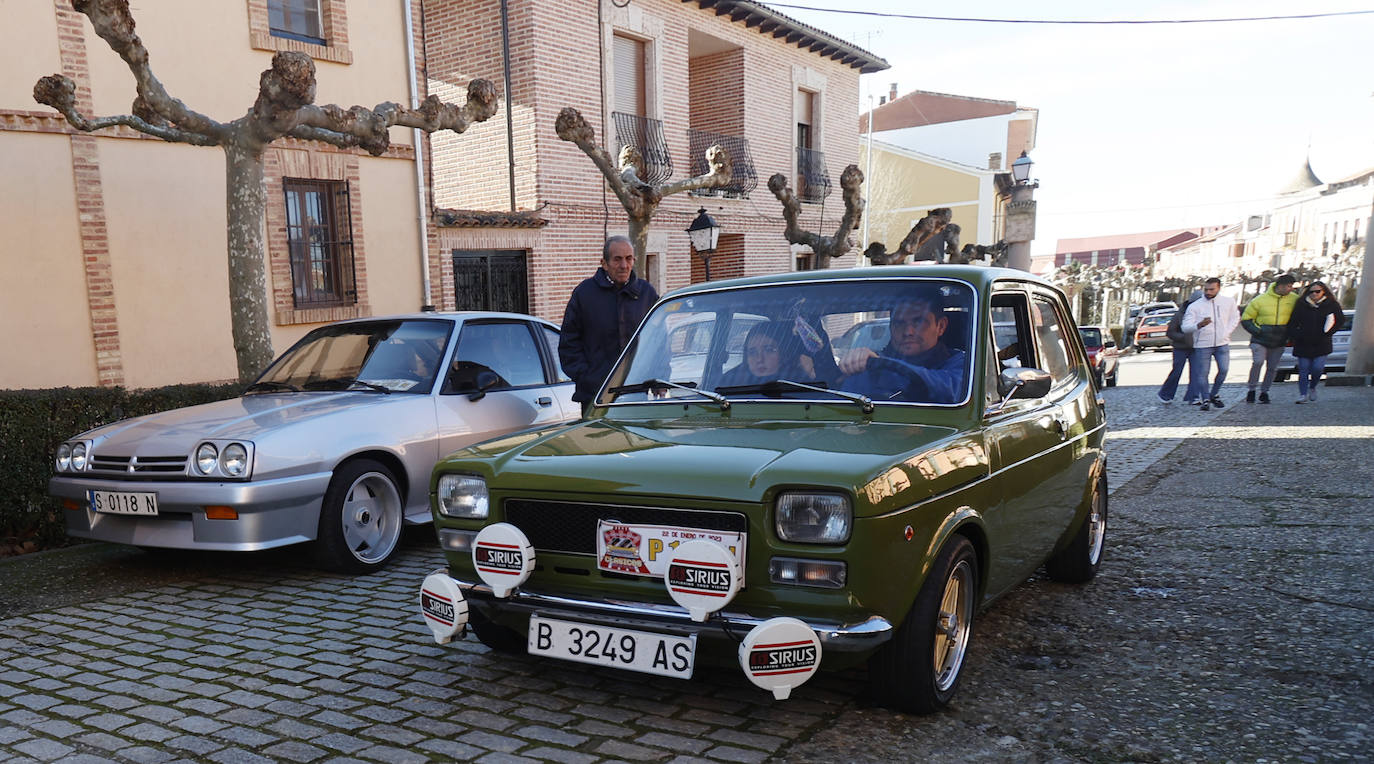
column 381, row 356
column 1156, row 320
column 791, row 342
column 1091, row 337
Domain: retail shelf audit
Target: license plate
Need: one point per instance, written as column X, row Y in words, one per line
column 643, row 549
column 642, row 651
column 123, row 502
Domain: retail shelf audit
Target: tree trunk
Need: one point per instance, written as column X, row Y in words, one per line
column 245, row 208
column 638, row 233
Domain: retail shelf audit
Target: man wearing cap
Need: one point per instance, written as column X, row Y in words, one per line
column 1266, row 319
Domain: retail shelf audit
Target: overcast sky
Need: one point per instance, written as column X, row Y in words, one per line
column 1143, row 127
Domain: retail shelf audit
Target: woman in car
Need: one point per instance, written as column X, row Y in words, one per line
column 771, row 351
column 1315, row 318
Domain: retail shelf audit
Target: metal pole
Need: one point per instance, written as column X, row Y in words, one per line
column 868, row 173
column 417, row 140
column 1361, row 358
column 510, row 129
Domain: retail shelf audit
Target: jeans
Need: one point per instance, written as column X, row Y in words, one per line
column 1170, row 386
column 1268, row 358
column 1201, row 362
column 1309, row 372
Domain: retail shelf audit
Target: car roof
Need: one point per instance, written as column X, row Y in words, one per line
column 448, row 315
column 980, row 276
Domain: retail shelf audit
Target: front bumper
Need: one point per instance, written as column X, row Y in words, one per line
column 271, row 513
column 863, row 636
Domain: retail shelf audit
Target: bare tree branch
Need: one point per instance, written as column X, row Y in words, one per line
column 572, row 127
column 823, row 247
column 720, row 170
column 59, row 92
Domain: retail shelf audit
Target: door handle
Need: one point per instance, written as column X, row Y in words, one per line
column 544, row 400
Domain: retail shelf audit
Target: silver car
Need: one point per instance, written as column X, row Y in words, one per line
column 333, row 444
column 1340, row 348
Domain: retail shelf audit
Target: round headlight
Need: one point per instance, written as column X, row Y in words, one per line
column 234, row 460
column 64, row 457
column 79, row 457
column 206, row 457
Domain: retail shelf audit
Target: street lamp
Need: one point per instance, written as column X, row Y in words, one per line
column 1020, row 169
column 705, row 234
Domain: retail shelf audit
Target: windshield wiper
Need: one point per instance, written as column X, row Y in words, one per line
column 776, row 386
column 371, row 386
column 691, row 387
column 269, row 384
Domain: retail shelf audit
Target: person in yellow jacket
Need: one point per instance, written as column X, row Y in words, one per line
column 1266, row 319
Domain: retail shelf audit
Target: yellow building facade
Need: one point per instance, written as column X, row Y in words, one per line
column 902, row 185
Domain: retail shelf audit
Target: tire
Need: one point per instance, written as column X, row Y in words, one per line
column 360, row 518
column 1111, row 380
column 501, row 639
column 1078, row 562
column 919, row 669
column 1281, row 376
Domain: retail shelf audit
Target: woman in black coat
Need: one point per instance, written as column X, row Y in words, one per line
column 1315, row 318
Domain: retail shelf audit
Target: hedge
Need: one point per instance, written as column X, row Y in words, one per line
column 34, row 422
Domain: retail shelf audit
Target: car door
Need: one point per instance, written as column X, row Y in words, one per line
column 528, row 391
column 1025, row 439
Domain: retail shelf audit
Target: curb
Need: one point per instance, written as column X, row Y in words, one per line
column 1349, row 380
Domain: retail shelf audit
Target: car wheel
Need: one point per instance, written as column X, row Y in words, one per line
column 1078, row 562
column 360, row 519
column 502, row 639
column 1281, row 376
column 1111, row 378
column 919, row 669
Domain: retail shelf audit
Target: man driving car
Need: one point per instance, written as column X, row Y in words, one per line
column 916, row 365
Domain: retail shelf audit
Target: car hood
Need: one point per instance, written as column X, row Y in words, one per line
column 251, row 417
column 887, row 464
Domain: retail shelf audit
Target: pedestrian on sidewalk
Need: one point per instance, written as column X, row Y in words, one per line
column 1315, row 318
column 1266, row 319
column 1211, row 321
column 1183, row 348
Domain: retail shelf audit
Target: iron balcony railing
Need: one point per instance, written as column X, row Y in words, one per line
column 744, row 179
column 646, row 135
column 813, row 182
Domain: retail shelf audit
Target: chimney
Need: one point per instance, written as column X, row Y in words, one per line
column 995, row 160
column 882, row 100
column 892, row 95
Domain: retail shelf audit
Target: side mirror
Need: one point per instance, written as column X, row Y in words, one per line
column 486, row 380
column 1022, row 382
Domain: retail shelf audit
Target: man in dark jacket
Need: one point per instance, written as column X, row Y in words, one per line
column 1183, row 350
column 602, row 314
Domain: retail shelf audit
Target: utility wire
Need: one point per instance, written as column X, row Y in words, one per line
column 1096, row 22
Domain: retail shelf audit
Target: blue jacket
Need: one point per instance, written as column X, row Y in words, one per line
column 597, row 326
column 940, row 368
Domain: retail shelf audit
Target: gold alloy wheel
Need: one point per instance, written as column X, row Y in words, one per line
column 953, row 626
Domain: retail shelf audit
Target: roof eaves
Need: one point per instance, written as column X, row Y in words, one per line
column 446, row 218
column 822, row 43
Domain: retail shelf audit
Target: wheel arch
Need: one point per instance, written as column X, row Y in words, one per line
column 390, row 461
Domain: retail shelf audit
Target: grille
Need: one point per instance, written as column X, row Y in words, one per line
column 136, row 466
column 557, row 526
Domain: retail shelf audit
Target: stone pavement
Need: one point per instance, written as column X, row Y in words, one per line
column 256, row 659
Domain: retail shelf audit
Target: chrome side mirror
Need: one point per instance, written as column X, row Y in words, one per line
column 1022, row 382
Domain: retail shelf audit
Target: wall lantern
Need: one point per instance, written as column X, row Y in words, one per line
column 705, row 234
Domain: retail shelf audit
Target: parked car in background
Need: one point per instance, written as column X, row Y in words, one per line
column 1135, row 312
column 333, row 444
column 1151, row 333
column 1340, row 348
column 786, row 523
column 1102, row 354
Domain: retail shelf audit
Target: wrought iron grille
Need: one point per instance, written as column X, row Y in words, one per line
column 646, row 135
column 490, row 280
column 745, row 179
column 571, row 527
column 813, row 182
column 319, row 233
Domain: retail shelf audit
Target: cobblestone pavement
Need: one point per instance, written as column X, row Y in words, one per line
column 246, row 659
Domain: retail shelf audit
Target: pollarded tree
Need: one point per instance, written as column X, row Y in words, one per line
column 284, row 108
column 823, row 248
column 639, row 199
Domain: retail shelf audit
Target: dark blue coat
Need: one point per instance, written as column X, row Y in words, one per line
column 597, row 326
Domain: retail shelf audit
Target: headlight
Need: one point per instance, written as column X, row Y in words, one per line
column 79, row 457
column 463, row 496
column 206, row 458
column 64, row 457
column 234, row 460
column 814, row 518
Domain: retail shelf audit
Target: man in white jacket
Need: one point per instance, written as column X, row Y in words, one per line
column 1211, row 321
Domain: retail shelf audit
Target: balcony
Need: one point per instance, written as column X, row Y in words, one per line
column 744, row 180
column 646, row 135
column 813, row 182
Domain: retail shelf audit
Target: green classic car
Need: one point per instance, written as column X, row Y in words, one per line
column 782, row 501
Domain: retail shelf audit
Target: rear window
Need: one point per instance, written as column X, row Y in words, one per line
column 1091, row 337
column 1157, row 320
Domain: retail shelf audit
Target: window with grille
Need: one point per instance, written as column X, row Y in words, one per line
column 319, row 232
column 296, row 20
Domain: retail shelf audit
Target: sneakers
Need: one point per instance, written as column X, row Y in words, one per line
column 1264, row 398
column 1217, row 402
column 1301, row 400
column 1163, row 400
column 1205, row 406
column 1312, row 394
column 1250, row 397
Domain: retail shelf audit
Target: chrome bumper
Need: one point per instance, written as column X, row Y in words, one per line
column 669, row 619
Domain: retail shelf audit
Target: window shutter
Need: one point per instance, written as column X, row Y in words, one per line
column 628, row 57
column 805, row 107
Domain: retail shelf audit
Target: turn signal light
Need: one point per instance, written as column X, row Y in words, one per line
column 221, row 513
column 73, row 505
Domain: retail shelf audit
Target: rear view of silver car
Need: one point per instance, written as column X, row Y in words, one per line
column 333, row 444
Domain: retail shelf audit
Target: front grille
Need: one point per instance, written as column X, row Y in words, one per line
column 558, row 526
column 141, row 467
